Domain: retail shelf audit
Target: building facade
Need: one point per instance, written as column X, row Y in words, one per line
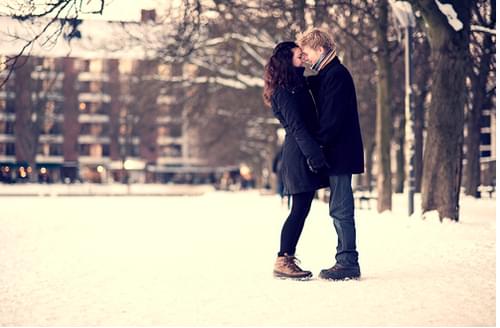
column 92, row 118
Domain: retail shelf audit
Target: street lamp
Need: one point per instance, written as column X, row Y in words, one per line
column 404, row 15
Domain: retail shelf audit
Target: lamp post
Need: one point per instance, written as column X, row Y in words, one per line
column 404, row 15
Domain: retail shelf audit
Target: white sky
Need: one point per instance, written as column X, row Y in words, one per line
column 124, row 10
column 127, row 10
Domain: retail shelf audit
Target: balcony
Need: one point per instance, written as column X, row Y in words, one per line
column 93, row 97
column 168, row 140
column 90, row 139
column 7, row 95
column 123, row 140
column 170, row 161
column 165, row 100
column 56, row 96
column 49, row 159
column 7, row 159
column 93, row 76
column 165, row 160
column 93, row 160
column 47, row 75
column 51, row 138
column 93, row 118
column 164, row 119
column 8, row 117
column 7, row 138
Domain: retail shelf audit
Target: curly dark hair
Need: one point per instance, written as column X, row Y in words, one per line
column 279, row 71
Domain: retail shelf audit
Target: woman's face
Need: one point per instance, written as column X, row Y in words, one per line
column 297, row 57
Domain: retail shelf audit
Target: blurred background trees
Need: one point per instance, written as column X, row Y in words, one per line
column 226, row 45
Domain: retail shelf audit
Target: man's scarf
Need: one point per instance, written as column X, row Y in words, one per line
column 324, row 59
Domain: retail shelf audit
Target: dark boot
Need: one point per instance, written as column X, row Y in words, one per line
column 341, row 272
column 286, row 267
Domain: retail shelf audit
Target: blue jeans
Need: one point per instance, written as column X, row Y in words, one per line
column 342, row 212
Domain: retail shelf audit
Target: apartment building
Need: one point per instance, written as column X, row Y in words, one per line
column 87, row 117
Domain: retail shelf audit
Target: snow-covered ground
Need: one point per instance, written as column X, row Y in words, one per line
column 208, row 260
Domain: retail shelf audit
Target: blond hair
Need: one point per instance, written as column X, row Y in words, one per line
column 316, row 37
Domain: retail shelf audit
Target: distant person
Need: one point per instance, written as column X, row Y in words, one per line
column 285, row 90
column 340, row 136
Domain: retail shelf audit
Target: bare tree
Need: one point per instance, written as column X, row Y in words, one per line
column 36, row 83
column 59, row 18
column 481, row 74
column 449, row 28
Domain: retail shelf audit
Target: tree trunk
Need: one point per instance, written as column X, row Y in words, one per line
column 472, row 172
column 419, row 138
column 25, row 142
column 443, row 148
column 400, row 155
column 300, row 14
column 384, row 119
column 423, row 71
column 367, row 184
column 320, row 12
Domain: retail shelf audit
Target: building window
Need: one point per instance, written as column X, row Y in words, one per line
column 7, row 149
column 7, row 106
column 55, row 128
column 83, row 86
column 95, row 87
column 9, row 85
column 84, row 149
column 96, row 66
column 11, row 107
column 105, row 150
column 7, row 127
column 173, row 130
column 55, row 150
column 172, row 150
column 82, row 65
column 44, row 149
column 94, row 129
column 105, row 108
column 85, row 128
column 54, row 107
column 95, row 150
column 126, row 66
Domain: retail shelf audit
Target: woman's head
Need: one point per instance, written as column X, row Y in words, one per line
column 284, row 68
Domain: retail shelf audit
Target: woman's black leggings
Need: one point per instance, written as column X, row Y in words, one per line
column 292, row 228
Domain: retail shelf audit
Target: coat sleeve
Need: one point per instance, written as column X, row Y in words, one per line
column 336, row 94
column 294, row 126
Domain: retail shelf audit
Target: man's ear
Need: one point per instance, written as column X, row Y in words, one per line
column 321, row 49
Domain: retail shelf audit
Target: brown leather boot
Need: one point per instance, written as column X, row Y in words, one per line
column 286, row 267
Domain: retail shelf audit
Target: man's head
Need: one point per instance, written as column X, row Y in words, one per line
column 314, row 42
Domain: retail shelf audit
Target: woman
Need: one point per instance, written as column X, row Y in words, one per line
column 285, row 90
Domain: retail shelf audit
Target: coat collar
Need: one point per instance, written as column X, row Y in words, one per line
column 335, row 62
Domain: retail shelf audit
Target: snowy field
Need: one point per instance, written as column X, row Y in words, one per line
column 208, row 260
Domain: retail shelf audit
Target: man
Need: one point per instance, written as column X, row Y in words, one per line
column 340, row 137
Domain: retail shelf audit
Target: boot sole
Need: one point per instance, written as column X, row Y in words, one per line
column 340, row 278
column 284, row 276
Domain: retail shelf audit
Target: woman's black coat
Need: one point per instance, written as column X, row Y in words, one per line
column 296, row 112
column 339, row 132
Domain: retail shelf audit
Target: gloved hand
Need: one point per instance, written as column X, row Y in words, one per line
column 317, row 164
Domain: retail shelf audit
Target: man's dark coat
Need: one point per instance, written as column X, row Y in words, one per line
column 339, row 133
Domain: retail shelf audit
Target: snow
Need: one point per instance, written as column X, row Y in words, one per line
column 484, row 29
column 403, row 12
column 450, row 13
column 207, row 260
